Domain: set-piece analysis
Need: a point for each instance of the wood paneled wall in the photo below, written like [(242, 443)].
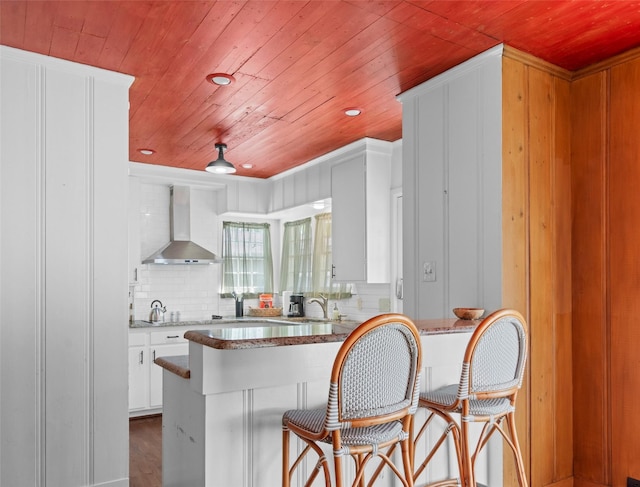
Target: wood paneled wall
[(537, 258), (571, 225), (605, 117)]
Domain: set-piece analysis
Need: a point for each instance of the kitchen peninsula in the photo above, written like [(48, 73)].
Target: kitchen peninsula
[(223, 403)]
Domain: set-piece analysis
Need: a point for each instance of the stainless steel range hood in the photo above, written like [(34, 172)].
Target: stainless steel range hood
[(180, 249)]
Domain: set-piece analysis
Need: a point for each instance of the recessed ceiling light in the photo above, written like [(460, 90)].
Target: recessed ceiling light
[(318, 205), (146, 152), (220, 79), (247, 165), (352, 112)]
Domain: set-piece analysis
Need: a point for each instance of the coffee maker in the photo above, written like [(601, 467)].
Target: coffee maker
[(296, 306)]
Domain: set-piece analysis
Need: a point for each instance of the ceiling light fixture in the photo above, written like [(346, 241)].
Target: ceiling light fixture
[(146, 152), (220, 79), (247, 165), (352, 112), (318, 205), (220, 166)]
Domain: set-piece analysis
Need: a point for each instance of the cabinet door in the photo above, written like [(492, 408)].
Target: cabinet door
[(348, 220), (155, 373), (138, 377)]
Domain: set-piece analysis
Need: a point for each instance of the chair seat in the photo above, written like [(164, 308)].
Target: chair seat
[(312, 420), (446, 396)]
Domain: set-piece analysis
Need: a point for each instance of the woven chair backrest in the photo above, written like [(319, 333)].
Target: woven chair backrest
[(378, 375), (498, 356)]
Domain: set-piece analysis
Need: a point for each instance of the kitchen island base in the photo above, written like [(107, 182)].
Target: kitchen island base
[(222, 425)]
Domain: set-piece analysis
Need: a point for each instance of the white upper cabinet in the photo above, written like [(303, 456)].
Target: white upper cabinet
[(360, 195), (301, 186)]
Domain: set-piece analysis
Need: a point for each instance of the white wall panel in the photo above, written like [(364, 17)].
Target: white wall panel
[(21, 286), (67, 277), (64, 273), (452, 189)]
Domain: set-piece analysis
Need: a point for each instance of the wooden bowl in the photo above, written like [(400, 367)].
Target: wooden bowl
[(468, 313)]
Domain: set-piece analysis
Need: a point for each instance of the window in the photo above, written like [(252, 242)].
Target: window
[(247, 263), (322, 264), (295, 271)]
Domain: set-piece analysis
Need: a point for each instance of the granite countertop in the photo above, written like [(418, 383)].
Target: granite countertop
[(178, 364), (300, 334), (161, 324), (226, 320), (279, 335)]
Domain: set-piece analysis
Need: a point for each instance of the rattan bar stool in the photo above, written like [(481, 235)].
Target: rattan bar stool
[(492, 372), (373, 394)]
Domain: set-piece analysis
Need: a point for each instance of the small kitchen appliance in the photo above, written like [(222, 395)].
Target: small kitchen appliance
[(157, 312), (296, 306)]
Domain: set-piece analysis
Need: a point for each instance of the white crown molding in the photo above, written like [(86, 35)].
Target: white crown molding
[(451, 74), (345, 152)]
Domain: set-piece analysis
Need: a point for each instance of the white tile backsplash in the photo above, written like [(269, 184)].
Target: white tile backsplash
[(190, 289)]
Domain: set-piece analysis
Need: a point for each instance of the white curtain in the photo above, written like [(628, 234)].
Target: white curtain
[(295, 270), (247, 262), (322, 282)]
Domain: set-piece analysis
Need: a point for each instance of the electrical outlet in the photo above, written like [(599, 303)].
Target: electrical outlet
[(633, 482)]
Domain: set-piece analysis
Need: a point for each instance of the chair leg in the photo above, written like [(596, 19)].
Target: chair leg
[(449, 428), (511, 422), (337, 462), (406, 448), (285, 458), (467, 477)]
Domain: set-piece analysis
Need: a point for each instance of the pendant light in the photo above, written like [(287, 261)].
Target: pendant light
[(220, 166)]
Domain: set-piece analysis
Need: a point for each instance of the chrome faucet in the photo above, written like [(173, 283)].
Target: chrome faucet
[(324, 304)]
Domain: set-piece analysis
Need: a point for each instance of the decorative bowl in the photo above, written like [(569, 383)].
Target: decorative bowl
[(468, 313)]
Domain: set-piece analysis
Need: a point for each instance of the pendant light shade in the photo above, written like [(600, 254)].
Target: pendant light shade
[(220, 166)]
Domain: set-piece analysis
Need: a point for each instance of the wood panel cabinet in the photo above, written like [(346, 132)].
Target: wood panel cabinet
[(517, 116)]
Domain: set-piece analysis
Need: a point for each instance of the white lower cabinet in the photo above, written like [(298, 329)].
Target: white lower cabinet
[(155, 374), (138, 377), (145, 377)]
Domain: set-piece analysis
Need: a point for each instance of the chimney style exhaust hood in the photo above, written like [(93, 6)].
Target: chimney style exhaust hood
[(181, 250)]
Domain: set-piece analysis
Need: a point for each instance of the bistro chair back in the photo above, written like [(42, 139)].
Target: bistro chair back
[(373, 395), (492, 374)]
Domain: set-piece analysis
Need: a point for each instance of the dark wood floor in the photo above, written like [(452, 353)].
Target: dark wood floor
[(145, 451)]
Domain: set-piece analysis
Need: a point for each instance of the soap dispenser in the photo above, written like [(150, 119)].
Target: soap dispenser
[(336, 312)]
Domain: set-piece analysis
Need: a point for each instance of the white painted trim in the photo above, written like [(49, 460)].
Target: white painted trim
[(40, 277), (89, 376), (343, 153)]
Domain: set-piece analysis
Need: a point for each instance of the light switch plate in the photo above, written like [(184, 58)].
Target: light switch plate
[(429, 271)]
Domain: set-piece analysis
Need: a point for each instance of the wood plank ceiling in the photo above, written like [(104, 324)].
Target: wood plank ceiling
[(297, 64)]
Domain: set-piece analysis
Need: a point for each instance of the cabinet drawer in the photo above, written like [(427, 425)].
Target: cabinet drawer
[(138, 339), (162, 337)]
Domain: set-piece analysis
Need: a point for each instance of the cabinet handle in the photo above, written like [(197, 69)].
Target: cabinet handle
[(141, 357), (154, 355), (333, 271), (173, 336), (399, 288)]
